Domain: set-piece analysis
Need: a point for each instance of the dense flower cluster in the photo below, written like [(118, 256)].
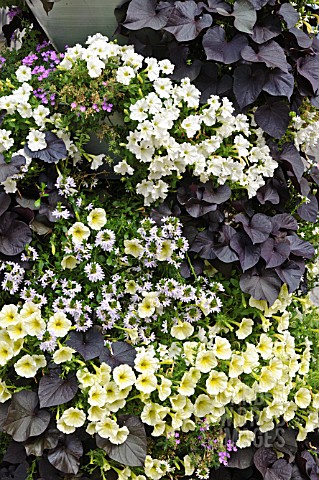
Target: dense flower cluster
[(170, 131)]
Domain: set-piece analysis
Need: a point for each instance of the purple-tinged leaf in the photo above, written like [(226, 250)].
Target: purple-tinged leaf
[(66, 457), (261, 284), (264, 458), (133, 451), (268, 193), (120, 353), (300, 247), (291, 274), (296, 473), (49, 439), (308, 67), (304, 186), (314, 173), (198, 267), (218, 196), (204, 245), (89, 344), (25, 202), (279, 83), (179, 55), (248, 253), (5, 201), (54, 151), (271, 54), (287, 443), (257, 228), (280, 470), (284, 221), (258, 4), (14, 235), (303, 40), (9, 169), (245, 16), (186, 21), (217, 48), (248, 83), (141, 14), (209, 84), (268, 28), (54, 390), (307, 211), (197, 208), (275, 251), (222, 249), (289, 14), (4, 407), (15, 453), (242, 459), (24, 420), (214, 6), (273, 118), (291, 155)]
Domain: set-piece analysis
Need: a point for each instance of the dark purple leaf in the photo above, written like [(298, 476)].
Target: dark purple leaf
[(26, 202), (144, 13), (291, 155), (218, 196), (179, 55), (54, 390), (214, 6), (264, 458), (314, 173), (197, 208), (5, 201), (268, 28), (307, 211), (54, 151), (120, 353), (217, 48), (279, 83), (3, 413), (286, 443), (248, 253), (12, 168), (308, 67), (133, 451), (290, 274), (47, 471), (245, 16), (271, 54), (257, 228), (222, 249), (242, 459), (66, 458), (285, 221), (15, 453), (275, 251), (304, 186), (280, 470), (273, 118), (204, 245), (49, 439), (89, 344), (289, 14), (14, 235), (303, 40), (268, 193), (248, 83), (300, 247), (198, 267), (261, 284), (24, 420), (296, 473), (186, 21)]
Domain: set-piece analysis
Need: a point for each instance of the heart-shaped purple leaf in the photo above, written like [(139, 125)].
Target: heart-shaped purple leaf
[(14, 235), (54, 390), (273, 118), (186, 21), (9, 169), (219, 49), (89, 344), (54, 151), (119, 354)]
